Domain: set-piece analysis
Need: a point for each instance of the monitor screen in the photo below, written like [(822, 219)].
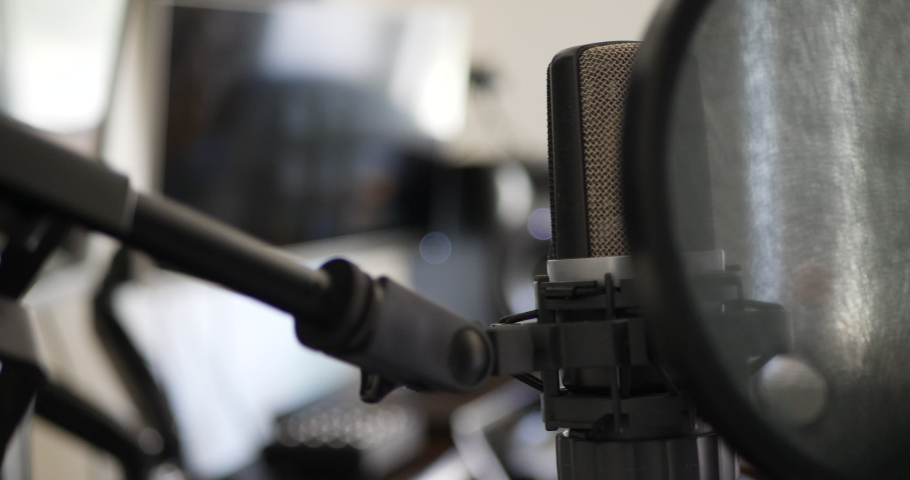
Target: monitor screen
[(306, 121), (294, 121)]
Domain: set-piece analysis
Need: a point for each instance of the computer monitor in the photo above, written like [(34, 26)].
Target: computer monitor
[(306, 120), (312, 126)]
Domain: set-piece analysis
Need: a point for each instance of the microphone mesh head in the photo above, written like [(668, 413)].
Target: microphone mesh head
[(605, 72)]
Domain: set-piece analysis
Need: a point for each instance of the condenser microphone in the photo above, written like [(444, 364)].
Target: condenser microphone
[(587, 90), (646, 427)]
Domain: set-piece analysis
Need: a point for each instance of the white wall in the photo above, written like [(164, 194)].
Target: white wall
[(514, 38), (517, 39)]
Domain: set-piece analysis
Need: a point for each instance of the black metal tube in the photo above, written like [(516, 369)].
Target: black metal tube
[(129, 363), (375, 324), (207, 249)]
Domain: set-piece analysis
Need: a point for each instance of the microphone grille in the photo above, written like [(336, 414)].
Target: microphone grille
[(604, 72)]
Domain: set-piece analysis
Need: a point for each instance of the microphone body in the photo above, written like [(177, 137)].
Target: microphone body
[(646, 426)]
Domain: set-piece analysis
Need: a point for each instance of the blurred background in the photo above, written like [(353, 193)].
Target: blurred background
[(408, 136)]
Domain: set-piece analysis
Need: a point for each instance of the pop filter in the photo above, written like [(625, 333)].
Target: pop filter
[(803, 154)]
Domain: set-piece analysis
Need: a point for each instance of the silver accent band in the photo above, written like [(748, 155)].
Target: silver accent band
[(594, 268)]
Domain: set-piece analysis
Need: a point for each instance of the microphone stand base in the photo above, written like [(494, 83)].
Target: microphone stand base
[(704, 457)]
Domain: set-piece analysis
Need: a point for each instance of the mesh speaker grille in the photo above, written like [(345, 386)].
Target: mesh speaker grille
[(604, 75)]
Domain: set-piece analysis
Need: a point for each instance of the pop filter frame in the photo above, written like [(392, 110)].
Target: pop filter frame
[(674, 321)]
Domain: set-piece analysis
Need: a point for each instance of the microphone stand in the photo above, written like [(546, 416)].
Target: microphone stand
[(623, 415), (394, 335)]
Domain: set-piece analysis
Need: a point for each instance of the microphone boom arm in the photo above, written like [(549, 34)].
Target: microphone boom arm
[(393, 334)]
